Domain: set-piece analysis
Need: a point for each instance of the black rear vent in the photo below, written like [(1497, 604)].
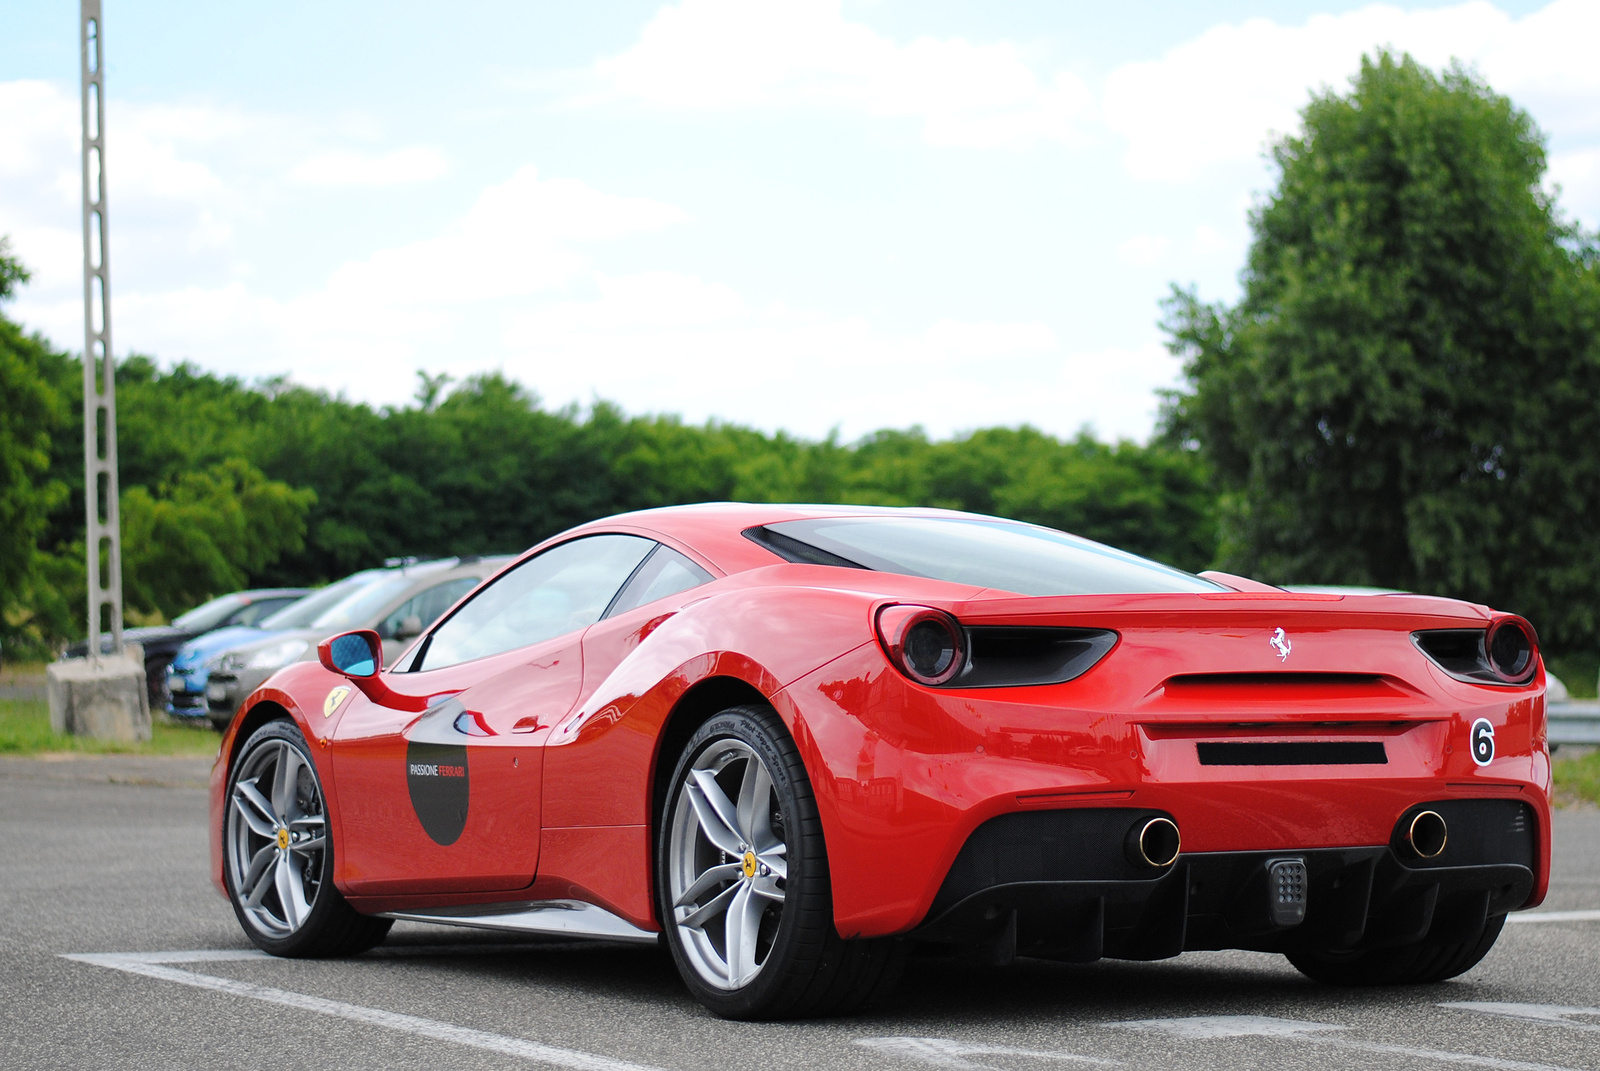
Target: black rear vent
[(1003, 656), (1459, 652), (1292, 753)]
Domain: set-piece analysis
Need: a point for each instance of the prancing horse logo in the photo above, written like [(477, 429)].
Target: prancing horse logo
[(1280, 643)]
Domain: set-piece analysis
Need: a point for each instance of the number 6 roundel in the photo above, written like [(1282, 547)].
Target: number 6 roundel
[(1482, 742)]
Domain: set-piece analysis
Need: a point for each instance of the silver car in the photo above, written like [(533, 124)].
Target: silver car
[(399, 604)]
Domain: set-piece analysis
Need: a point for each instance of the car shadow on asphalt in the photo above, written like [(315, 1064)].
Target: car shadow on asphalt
[(936, 988)]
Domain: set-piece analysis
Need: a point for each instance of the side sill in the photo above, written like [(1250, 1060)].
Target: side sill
[(564, 918)]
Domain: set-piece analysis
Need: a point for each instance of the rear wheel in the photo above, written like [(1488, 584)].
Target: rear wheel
[(1414, 964), (278, 856), (742, 873)]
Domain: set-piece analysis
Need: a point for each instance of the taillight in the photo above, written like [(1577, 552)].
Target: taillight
[(1507, 652), (925, 644), (1512, 648)]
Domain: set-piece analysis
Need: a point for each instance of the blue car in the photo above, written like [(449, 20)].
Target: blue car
[(190, 669)]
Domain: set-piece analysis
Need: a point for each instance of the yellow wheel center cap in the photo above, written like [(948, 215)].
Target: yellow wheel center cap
[(749, 864), (283, 838)]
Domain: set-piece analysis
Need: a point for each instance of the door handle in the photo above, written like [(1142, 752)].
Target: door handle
[(526, 725)]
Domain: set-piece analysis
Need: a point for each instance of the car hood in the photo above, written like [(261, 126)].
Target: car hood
[(268, 639), (147, 637)]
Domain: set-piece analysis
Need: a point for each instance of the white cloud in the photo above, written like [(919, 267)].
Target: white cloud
[(735, 54), (1143, 249), (1220, 97), (1577, 174), (378, 317), (168, 208), (418, 163), (664, 342), (522, 236)]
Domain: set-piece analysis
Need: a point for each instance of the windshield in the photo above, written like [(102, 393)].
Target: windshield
[(985, 553), (302, 613), (360, 608), (208, 615)]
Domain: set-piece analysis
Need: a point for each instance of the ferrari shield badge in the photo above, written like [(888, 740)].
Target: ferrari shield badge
[(335, 697), (1280, 643)]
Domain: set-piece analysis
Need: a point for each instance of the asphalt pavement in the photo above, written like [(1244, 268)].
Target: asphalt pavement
[(115, 952)]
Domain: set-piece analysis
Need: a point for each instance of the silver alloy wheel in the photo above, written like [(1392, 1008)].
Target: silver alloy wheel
[(727, 864), (276, 837)]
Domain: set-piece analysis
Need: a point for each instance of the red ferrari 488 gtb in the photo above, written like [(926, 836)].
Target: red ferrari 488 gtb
[(795, 740)]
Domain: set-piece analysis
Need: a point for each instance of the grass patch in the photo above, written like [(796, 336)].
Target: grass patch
[(1577, 672), (1577, 775), (25, 730)]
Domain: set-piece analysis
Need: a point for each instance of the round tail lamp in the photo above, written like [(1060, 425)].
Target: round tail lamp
[(925, 644), (1512, 649)]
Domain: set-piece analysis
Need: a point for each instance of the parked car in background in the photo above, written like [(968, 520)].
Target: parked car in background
[(398, 606), (161, 642), (189, 670)]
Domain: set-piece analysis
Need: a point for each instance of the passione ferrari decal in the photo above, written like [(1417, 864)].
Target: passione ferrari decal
[(437, 777)]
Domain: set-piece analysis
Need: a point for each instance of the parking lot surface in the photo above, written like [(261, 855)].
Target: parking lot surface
[(117, 953)]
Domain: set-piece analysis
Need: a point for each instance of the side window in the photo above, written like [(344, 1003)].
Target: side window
[(564, 589), (665, 572), (424, 608)]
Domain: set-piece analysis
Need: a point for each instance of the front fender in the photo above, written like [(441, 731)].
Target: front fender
[(300, 691)]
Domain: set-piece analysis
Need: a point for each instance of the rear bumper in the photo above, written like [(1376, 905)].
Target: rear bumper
[(1060, 884), (905, 775)]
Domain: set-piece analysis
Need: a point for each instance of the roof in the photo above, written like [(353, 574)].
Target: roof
[(714, 529)]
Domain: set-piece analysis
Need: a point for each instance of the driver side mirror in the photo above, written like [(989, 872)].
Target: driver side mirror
[(352, 654)]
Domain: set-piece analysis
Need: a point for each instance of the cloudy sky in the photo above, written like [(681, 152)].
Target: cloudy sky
[(803, 215)]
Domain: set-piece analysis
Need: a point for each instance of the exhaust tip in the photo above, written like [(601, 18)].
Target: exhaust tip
[(1154, 843), (1427, 834)]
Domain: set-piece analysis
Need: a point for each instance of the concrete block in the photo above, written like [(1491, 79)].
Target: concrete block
[(104, 698)]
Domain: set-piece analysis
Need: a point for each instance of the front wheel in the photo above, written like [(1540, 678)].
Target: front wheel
[(742, 875), (1414, 964), (278, 856)]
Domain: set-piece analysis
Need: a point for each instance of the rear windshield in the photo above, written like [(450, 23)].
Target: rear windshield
[(364, 606), (209, 615), (300, 614), (1003, 555)]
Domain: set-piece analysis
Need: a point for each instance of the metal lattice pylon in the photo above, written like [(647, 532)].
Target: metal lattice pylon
[(103, 538)]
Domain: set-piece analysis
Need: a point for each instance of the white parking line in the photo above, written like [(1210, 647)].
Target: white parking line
[(154, 965), (1239, 1026), (943, 1052), (1550, 1014), (1554, 916)]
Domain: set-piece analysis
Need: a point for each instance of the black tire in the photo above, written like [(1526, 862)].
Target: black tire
[(328, 926), (808, 970), (1421, 963)]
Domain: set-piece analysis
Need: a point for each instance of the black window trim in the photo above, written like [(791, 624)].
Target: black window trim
[(636, 577), (616, 596), (797, 551)]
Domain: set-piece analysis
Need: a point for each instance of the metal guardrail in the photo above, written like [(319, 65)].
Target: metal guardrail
[(1577, 721)]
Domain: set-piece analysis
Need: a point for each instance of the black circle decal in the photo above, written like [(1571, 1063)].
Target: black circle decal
[(1482, 742), (437, 776)]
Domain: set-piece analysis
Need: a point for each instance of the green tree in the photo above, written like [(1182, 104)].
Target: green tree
[(206, 533), (1406, 393), (31, 410)]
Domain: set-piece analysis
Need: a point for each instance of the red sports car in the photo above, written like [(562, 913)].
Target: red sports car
[(796, 739)]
